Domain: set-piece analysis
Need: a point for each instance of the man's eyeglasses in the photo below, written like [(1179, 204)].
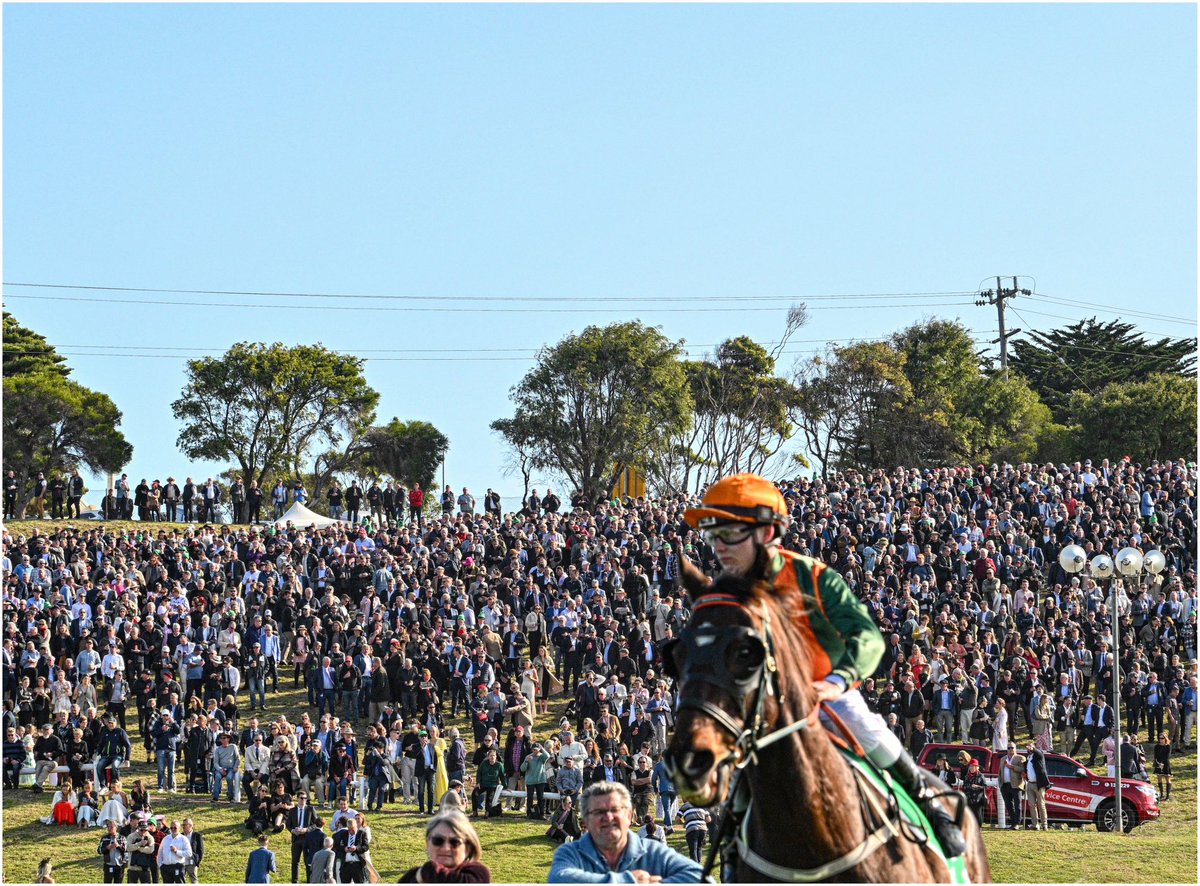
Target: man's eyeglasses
[(439, 841), (600, 813), (729, 533)]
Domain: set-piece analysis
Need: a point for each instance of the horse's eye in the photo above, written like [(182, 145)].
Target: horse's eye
[(748, 656)]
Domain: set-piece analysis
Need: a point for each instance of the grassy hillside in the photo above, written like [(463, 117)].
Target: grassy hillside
[(514, 848)]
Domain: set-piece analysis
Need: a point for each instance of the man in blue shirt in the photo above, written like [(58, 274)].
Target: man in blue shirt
[(610, 853)]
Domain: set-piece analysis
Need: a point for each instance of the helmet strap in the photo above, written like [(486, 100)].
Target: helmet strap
[(761, 558)]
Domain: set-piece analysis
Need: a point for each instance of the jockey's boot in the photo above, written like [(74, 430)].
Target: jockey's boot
[(926, 788)]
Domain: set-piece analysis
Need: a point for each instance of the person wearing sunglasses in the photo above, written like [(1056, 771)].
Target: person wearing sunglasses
[(744, 518), (454, 852)]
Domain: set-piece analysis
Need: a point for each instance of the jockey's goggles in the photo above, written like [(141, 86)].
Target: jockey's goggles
[(729, 533)]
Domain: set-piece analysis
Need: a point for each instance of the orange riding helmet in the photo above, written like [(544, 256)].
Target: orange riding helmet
[(742, 498)]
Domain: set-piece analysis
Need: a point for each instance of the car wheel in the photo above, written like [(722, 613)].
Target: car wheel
[(1106, 816)]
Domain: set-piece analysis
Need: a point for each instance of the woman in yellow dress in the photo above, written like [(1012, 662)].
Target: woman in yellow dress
[(441, 781)]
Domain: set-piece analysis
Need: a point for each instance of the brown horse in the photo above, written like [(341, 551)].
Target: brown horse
[(743, 665)]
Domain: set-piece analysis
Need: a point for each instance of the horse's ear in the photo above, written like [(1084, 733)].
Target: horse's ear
[(694, 581)]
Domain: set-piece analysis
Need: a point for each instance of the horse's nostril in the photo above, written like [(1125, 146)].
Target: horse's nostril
[(696, 763)]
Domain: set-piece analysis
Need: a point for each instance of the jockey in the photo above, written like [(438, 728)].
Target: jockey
[(743, 517)]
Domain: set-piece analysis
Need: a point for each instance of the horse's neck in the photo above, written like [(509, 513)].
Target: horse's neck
[(801, 786)]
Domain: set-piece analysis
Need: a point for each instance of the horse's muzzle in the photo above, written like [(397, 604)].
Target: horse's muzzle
[(693, 774)]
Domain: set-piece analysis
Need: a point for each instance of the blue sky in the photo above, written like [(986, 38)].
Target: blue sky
[(579, 154)]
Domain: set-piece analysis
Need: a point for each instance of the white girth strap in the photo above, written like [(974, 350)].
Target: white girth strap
[(809, 875)]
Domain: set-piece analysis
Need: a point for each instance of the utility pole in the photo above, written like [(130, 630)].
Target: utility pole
[(997, 297)]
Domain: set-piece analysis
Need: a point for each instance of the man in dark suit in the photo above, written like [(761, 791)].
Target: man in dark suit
[(350, 845), (427, 764), (321, 864), (250, 733), (314, 843), (299, 823), (573, 650), (912, 706), (1036, 782), (513, 644), (191, 869)]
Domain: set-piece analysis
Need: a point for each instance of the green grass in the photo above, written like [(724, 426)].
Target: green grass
[(514, 847), (1162, 851), (516, 850)]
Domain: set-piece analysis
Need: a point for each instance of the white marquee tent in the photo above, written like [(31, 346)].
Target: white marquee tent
[(302, 516)]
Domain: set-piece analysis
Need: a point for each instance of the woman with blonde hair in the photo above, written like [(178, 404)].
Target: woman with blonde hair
[(116, 808), (441, 781), (85, 693), (455, 855), (530, 684), (588, 730), (62, 808), (1043, 723), (548, 684)]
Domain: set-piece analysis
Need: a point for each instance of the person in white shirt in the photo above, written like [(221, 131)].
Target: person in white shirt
[(343, 815), (572, 748), (112, 663), (173, 854)]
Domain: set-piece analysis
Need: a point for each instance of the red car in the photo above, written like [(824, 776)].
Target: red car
[(1076, 795)]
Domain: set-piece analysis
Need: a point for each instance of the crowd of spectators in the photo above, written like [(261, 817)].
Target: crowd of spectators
[(429, 642)]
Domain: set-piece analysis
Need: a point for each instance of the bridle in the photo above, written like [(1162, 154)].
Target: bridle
[(705, 662), (706, 647)]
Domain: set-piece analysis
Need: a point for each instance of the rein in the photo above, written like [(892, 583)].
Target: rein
[(749, 741)]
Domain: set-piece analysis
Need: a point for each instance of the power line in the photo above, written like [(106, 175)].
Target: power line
[(490, 298), (1090, 304), (1063, 361), (1119, 311), (443, 359), (594, 310), (1064, 317), (217, 348)]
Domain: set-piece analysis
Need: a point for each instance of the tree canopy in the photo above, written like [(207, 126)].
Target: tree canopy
[(1088, 355), (53, 424), (407, 451), (598, 402), (924, 396), (27, 352), (848, 401), (1154, 418), (741, 418), (268, 406)]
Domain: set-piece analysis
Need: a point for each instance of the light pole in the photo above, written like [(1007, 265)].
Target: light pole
[(1072, 559), (1102, 567), (1131, 562)]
